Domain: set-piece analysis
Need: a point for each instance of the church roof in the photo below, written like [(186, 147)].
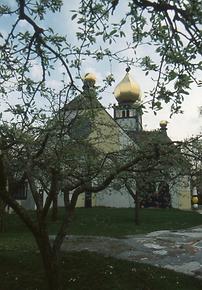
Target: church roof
[(160, 142), (84, 102), (156, 136)]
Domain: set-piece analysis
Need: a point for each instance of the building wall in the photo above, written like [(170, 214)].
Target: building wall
[(114, 198), (128, 123), (106, 135), (29, 202), (120, 198), (80, 201), (181, 193)]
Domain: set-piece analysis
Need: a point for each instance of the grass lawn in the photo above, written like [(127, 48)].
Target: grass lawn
[(21, 268), (120, 222), (85, 271)]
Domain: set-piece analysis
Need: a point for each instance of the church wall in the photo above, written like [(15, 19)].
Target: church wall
[(128, 123), (110, 197), (114, 198), (80, 201), (124, 142), (60, 200), (29, 202), (181, 194), (105, 135)]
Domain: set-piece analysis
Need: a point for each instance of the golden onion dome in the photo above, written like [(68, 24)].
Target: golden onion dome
[(90, 78), (163, 123), (194, 199), (127, 91)]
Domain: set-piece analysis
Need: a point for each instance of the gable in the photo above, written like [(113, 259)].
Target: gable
[(93, 123)]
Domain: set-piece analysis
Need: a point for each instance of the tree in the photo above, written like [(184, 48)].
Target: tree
[(192, 150), (155, 176), (55, 163), (2, 203), (34, 130), (169, 30)]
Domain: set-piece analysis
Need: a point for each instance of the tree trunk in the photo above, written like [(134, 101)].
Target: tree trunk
[(54, 214), (2, 214), (136, 202), (137, 206), (51, 267), (2, 188), (50, 261), (66, 198), (50, 251), (1, 221)]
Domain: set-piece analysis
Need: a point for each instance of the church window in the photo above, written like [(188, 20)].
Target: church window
[(123, 114), (18, 189), (127, 113)]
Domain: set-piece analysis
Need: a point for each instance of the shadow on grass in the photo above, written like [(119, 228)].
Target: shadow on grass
[(88, 271)]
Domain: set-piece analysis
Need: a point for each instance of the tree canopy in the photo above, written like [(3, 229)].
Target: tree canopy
[(162, 37)]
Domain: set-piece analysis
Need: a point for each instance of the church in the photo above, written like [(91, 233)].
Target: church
[(87, 119), (115, 133)]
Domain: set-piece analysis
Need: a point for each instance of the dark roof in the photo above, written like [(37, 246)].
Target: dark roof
[(159, 141), (83, 102), (156, 136)]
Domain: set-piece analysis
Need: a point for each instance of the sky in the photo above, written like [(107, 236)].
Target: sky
[(180, 126)]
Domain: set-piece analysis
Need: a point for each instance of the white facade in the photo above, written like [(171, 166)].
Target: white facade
[(181, 193)]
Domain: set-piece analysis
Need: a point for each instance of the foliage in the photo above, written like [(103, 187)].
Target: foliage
[(169, 30), (192, 150)]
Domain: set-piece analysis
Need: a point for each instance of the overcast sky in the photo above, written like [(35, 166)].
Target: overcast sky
[(179, 127)]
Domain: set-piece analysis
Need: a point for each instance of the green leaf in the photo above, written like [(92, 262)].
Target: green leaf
[(74, 16)]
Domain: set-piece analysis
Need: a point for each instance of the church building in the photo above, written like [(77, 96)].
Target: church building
[(91, 121), (125, 127)]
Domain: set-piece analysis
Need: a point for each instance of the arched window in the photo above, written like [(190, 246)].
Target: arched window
[(123, 114), (127, 113)]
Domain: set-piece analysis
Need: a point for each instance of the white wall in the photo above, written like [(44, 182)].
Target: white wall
[(114, 198)]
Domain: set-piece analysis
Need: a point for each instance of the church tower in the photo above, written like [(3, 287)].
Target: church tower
[(128, 113)]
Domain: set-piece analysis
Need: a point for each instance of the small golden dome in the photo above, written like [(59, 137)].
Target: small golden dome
[(194, 199), (127, 91), (90, 77), (163, 123)]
